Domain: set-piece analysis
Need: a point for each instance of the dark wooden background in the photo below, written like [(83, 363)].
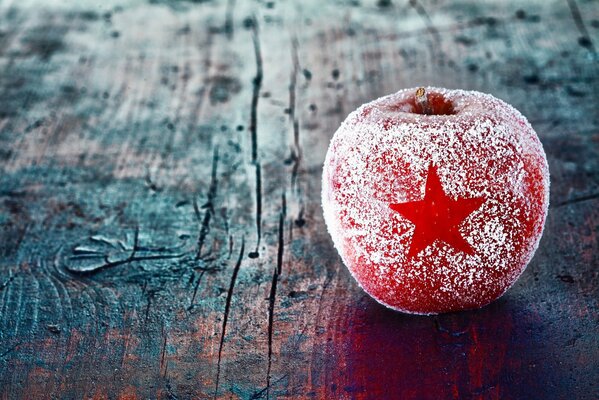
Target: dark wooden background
[(161, 230)]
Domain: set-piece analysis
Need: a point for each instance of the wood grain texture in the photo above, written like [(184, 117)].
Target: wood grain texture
[(161, 230)]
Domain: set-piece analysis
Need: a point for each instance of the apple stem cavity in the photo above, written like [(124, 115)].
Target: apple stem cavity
[(422, 101)]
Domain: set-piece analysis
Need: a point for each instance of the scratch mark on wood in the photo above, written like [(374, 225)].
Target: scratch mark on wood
[(575, 200), (325, 285), (226, 314), (300, 221), (150, 183), (169, 390), (196, 211), (148, 305), (440, 328), (202, 92), (94, 268), (586, 38), (430, 26), (262, 392), (10, 350), (148, 296), (203, 270), (111, 242), (163, 352), (225, 218), (135, 241), (195, 290), (424, 14), (209, 205), (8, 280)]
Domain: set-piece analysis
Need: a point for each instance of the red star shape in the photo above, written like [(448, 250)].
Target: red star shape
[(437, 216)]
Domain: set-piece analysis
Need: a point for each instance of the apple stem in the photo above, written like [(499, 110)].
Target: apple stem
[(422, 100)]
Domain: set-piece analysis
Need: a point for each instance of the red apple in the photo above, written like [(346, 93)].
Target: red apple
[(436, 201)]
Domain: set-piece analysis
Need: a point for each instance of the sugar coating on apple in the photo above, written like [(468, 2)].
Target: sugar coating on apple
[(435, 199)]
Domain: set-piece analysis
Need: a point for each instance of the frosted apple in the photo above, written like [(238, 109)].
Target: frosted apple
[(434, 198)]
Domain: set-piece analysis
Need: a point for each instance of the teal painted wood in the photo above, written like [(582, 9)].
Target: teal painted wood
[(162, 235)]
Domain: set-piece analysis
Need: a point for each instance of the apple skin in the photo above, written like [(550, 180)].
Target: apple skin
[(481, 147)]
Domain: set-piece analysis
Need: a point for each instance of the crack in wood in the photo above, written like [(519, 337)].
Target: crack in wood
[(257, 85), (230, 240), (209, 205), (296, 153), (271, 307), (226, 313), (255, 253), (273, 288), (281, 244)]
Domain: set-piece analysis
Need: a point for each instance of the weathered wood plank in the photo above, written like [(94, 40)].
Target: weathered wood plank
[(162, 234)]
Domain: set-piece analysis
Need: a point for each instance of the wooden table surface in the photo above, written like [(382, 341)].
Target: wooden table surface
[(161, 229)]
